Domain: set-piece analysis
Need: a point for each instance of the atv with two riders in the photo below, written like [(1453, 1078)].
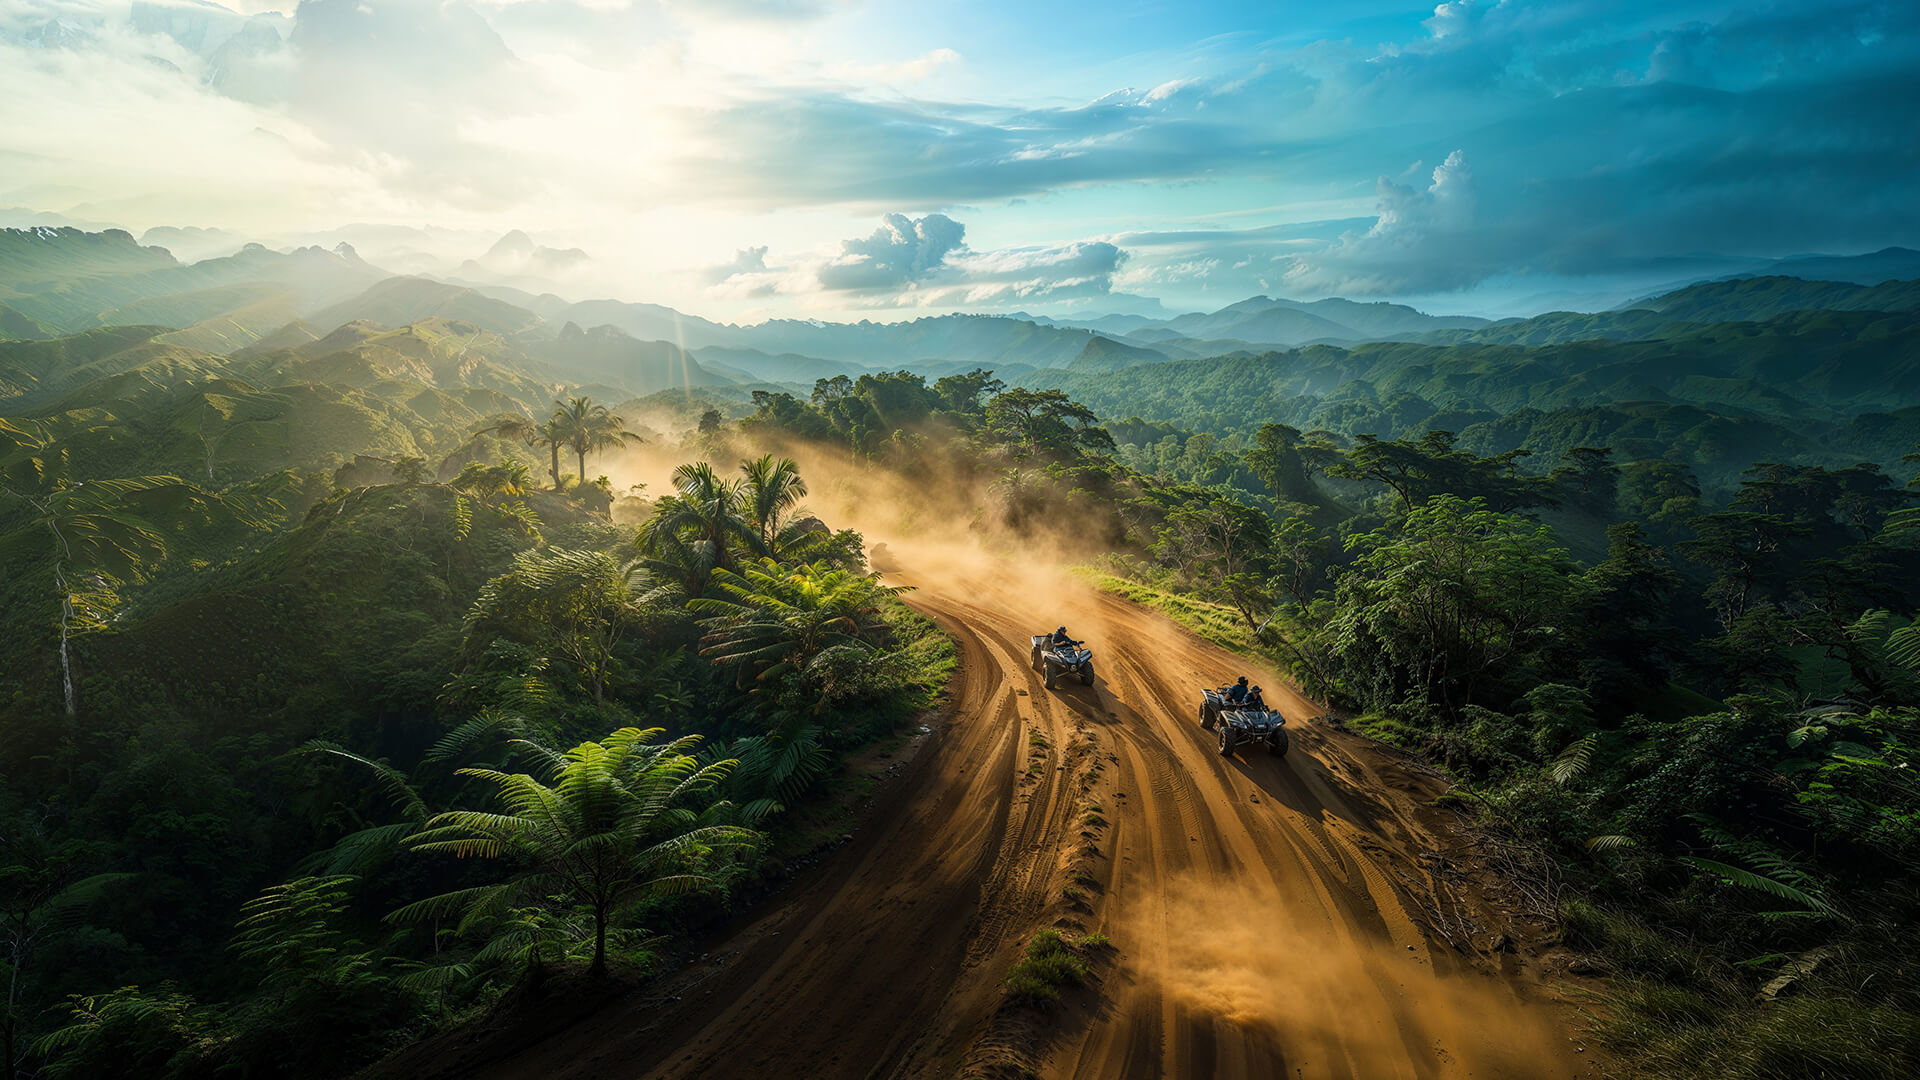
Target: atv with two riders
[(1057, 654), (1242, 716)]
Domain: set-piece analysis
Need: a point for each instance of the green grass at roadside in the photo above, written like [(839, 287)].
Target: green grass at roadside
[(1215, 622)]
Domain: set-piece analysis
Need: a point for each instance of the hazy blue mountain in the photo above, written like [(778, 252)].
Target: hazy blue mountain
[(610, 356), (1106, 354), (193, 242), (1680, 312), (401, 300), (40, 259), (756, 366), (71, 280), (1765, 297), (1262, 319), (1887, 264), (1380, 319)]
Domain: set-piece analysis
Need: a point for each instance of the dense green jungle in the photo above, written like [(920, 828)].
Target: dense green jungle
[(352, 687)]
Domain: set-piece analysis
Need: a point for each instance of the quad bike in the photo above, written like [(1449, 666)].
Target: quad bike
[(1057, 660), (1239, 724)]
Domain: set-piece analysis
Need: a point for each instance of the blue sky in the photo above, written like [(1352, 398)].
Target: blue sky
[(745, 158)]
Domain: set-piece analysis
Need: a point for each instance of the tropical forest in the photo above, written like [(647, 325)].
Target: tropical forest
[(1387, 549)]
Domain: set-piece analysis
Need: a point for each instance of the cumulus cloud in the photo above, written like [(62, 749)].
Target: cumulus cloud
[(1601, 135), (924, 262), (1421, 241), (902, 250), (751, 260), (1080, 270)]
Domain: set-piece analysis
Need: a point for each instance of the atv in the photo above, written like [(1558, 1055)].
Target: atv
[(1057, 660), (1239, 724)]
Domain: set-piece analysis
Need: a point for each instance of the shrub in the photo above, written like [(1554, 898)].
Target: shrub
[(1050, 963)]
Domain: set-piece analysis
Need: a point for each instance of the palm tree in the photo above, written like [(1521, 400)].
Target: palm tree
[(780, 621), (676, 556), (609, 825), (588, 428), (508, 479), (771, 497), (699, 527), (547, 434)]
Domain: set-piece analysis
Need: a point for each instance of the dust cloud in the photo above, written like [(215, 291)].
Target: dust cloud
[(945, 513), (1330, 998)]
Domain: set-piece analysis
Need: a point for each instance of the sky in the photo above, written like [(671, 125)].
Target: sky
[(743, 159)]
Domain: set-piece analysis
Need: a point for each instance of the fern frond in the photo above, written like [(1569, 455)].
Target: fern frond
[(1760, 882), (1572, 761)]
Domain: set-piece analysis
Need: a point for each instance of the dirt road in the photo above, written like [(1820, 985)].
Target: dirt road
[(1268, 917)]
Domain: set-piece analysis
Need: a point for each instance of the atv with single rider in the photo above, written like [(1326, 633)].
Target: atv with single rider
[(1242, 723), (1059, 658)]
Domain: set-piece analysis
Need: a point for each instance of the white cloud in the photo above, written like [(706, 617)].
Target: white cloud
[(1423, 240), (899, 252)]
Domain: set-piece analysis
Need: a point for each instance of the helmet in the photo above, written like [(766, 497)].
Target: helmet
[(1060, 630), (1243, 680)]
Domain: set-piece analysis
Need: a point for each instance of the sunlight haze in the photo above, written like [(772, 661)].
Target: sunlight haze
[(1096, 157)]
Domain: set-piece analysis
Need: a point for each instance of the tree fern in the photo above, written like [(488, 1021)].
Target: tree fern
[(1572, 761), (608, 823)]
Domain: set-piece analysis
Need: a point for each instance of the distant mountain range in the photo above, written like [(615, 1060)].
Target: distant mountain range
[(1750, 299), (56, 281)]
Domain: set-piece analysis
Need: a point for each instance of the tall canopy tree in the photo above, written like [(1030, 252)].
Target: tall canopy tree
[(1450, 598), (95, 535), (1045, 421), (1418, 469)]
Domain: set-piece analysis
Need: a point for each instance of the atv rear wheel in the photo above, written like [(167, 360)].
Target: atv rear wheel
[(1277, 742), (1036, 658), (1206, 716)]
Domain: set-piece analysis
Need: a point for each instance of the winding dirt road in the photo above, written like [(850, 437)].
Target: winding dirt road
[(1268, 917)]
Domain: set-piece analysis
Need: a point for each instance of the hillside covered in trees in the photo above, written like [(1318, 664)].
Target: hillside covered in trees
[(348, 695)]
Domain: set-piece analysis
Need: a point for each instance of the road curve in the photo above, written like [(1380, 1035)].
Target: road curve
[(1268, 917)]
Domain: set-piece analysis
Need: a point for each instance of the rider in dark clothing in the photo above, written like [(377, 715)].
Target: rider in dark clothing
[(1060, 638), (1254, 700), (1237, 693)]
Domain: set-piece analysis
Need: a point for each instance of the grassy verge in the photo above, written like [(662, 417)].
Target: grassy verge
[(1215, 622), (930, 657), (1676, 1011)]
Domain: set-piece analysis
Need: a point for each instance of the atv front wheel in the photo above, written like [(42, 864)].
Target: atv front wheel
[(1277, 743), (1226, 740), (1086, 674), (1051, 670)]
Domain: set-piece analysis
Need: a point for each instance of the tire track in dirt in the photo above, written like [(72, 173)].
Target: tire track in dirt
[(1260, 910)]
